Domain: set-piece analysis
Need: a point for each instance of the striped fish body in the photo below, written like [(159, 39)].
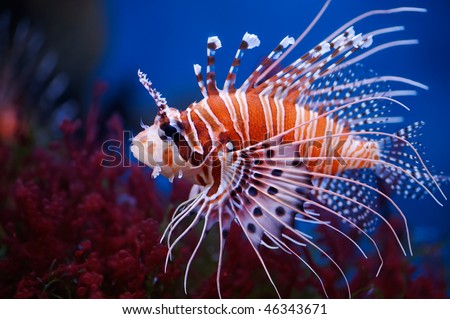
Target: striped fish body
[(245, 119), (304, 145)]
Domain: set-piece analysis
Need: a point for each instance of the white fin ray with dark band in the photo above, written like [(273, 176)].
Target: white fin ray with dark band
[(213, 44), (249, 41)]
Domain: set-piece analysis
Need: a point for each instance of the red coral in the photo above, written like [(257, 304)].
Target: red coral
[(73, 228)]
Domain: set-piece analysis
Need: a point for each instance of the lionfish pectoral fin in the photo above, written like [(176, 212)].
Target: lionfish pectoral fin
[(271, 199), (199, 209), (263, 205), (193, 211), (195, 190)]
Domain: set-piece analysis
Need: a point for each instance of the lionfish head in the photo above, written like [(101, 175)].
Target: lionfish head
[(155, 145)]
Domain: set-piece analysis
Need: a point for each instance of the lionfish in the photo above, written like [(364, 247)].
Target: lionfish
[(291, 145)]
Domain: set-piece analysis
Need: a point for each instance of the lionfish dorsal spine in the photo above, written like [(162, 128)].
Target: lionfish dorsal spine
[(249, 41), (266, 63), (212, 45), (200, 82)]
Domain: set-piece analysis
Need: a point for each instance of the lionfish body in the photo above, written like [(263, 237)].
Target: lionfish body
[(301, 145)]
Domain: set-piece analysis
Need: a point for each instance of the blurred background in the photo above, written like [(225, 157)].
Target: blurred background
[(95, 41)]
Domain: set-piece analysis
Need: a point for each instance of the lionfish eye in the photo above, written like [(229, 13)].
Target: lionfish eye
[(169, 132)]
